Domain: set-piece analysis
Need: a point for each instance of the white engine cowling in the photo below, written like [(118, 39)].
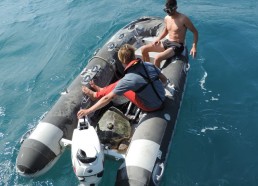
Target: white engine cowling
[(87, 155)]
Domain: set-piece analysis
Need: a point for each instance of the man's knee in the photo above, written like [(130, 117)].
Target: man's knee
[(146, 48)]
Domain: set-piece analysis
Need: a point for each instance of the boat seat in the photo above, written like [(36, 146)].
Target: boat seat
[(148, 40)]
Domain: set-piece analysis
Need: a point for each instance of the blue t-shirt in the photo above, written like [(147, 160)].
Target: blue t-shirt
[(133, 81)]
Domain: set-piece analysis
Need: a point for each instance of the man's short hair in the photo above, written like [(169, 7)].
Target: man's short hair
[(171, 3), (126, 53)]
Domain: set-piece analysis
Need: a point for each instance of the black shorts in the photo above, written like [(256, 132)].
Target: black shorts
[(177, 47)]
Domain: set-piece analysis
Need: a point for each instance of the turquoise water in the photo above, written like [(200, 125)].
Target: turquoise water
[(45, 44)]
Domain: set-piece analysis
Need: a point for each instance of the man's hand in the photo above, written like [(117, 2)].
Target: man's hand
[(82, 112), (156, 42), (193, 51)]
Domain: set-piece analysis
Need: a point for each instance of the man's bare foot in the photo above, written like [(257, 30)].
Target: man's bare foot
[(94, 86), (89, 93)]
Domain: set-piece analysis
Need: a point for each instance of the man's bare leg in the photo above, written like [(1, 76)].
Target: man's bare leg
[(145, 52), (150, 48), (163, 56)]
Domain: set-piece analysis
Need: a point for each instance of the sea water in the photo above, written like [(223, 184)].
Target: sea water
[(45, 44)]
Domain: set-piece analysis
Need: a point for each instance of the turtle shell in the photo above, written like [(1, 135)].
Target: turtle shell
[(113, 128)]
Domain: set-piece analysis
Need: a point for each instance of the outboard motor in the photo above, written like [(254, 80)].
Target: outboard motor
[(87, 155)]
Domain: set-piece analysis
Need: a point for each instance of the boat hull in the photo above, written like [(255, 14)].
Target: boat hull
[(146, 156)]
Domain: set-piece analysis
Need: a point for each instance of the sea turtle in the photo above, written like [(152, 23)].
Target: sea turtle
[(114, 129)]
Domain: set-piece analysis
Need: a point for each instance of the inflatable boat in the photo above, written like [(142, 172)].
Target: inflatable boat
[(140, 139)]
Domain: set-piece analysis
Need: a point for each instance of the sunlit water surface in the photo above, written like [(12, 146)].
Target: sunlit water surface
[(45, 44)]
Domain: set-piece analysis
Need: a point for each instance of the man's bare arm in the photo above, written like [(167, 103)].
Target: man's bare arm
[(100, 104), (192, 28)]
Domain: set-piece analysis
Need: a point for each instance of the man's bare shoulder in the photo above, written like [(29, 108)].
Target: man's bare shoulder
[(166, 17), (182, 16)]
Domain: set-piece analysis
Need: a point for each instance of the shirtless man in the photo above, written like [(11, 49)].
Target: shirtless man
[(176, 25)]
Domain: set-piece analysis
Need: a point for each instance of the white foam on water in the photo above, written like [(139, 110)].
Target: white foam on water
[(2, 111), (202, 81), (209, 128), (213, 129), (214, 99)]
